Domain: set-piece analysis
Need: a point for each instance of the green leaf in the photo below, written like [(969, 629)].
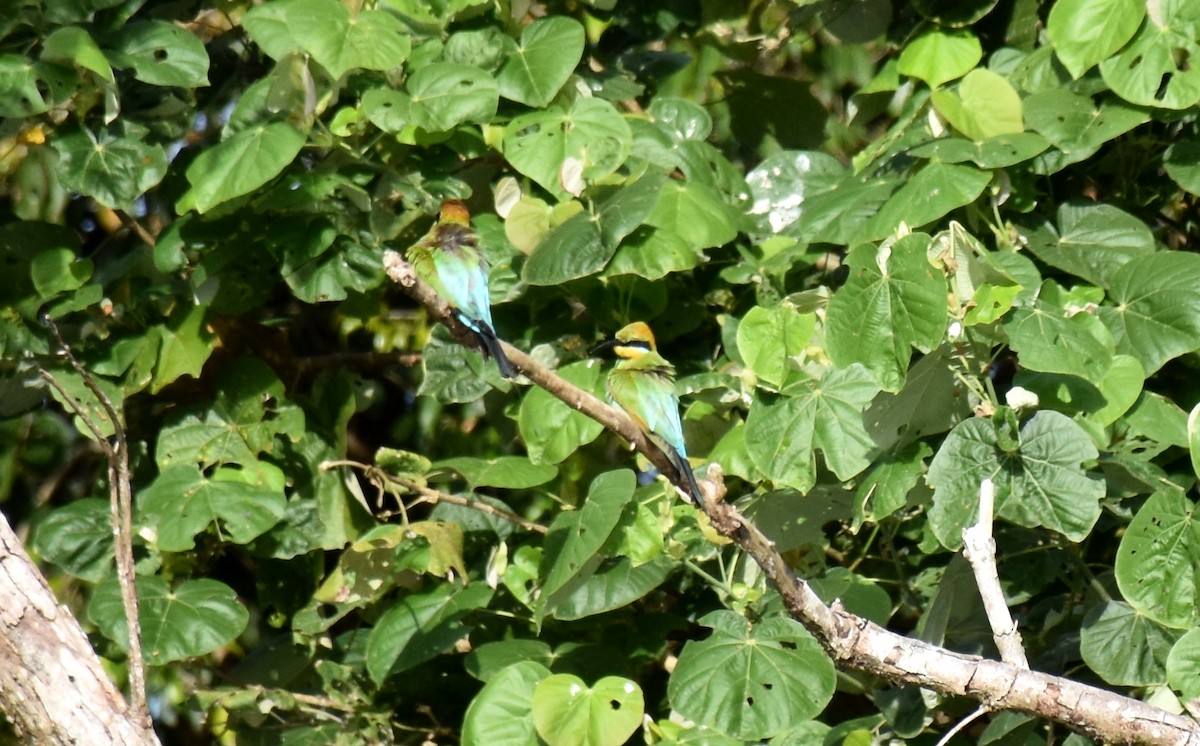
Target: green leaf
[(584, 244), (985, 106), (1087, 32), (1159, 419), (1183, 665), (182, 502), (545, 57), (193, 619), (250, 412), (492, 658), (185, 347), (608, 585), (551, 429), (894, 301), (114, 170), (1182, 161), (1000, 151), (1157, 312), (694, 212), (782, 434), (1076, 125), (502, 713), (1053, 339), (544, 144), (751, 681), (783, 183), (453, 373), (75, 46), (652, 254), (78, 538), (1153, 68), (268, 25), (161, 53), (321, 266), (1037, 473), (886, 488), (421, 626), (240, 165), (567, 711), (1092, 241), (768, 338), (28, 88), (576, 536), (939, 56), (858, 594), (931, 402), (1123, 647), (934, 191), (437, 98), (341, 42), (59, 270), (506, 472), (1159, 558)]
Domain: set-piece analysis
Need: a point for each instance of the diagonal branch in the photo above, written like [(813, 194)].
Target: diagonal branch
[(854, 642)]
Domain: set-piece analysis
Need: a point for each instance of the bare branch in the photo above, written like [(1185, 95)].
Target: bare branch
[(980, 550)]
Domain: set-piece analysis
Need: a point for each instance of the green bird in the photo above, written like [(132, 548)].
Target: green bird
[(643, 384), (448, 259)]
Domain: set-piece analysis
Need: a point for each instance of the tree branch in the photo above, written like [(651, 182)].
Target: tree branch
[(850, 640), (121, 505)]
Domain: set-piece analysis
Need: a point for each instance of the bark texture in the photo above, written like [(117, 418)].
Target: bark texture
[(53, 689)]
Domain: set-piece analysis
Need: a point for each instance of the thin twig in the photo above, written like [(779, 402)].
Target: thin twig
[(435, 496), (121, 506), (945, 739)]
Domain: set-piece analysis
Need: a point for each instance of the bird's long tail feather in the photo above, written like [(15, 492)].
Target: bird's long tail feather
[(685, 469), (493, 348)]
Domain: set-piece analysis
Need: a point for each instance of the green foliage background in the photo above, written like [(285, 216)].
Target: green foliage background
[(893, 249)]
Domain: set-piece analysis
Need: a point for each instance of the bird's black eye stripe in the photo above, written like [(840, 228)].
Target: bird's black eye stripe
[(637, 344)]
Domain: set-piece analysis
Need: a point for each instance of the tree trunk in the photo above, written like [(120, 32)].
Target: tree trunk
[(53, 689)]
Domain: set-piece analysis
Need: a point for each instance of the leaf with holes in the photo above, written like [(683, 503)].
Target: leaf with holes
[(1153, 69), (162, 53), (1158, 561), (751, 681), (436, 98), (567, 711), (592, 131)]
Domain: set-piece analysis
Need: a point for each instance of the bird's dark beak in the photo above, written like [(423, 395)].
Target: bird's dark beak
[(603, 347)]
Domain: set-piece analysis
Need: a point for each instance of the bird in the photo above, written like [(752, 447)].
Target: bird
[(448, 259), (642, 383)]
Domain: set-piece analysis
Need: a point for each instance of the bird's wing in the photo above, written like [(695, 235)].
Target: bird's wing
[(464, 276), (649, 397)]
